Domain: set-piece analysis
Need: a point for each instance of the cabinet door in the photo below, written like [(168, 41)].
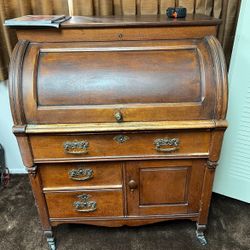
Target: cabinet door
[(164, 186)]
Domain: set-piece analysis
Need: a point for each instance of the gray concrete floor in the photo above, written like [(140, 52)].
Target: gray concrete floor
[(228, 227)]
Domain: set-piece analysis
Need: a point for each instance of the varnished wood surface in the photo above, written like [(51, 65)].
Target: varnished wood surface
[(105, 174), (164, 187), (52, 146), (127, 126), (111, 83), (131, 221), (55, 94), (108, 203), (132, 21), (116, 34), (166, 77)]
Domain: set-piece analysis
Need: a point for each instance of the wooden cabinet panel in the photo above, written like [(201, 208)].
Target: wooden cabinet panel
[(111, 83), (63, 204), (95, 80), (84, 175), (108, 145), (161, 185), (164, 187), (140, 95)]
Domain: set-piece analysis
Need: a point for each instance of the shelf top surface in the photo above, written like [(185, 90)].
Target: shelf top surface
[(130, 21), (126, 21)]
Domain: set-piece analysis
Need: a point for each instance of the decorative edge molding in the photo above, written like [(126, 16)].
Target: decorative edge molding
[(220, 70), (211, 164), (127, 126), (15, 82), (19, 129), (32, 170), (24, 144)]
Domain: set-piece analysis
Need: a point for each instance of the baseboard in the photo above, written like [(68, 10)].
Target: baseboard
[(18, 171)]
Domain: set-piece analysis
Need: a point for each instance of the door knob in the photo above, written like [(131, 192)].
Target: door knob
[(132, 185)]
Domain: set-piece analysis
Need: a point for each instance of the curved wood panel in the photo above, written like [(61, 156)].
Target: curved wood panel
[(221, 77), (15, 82), (145, 81)]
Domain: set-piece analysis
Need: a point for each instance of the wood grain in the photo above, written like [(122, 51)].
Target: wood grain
[(164, 187), (109, 203), (105, 174), (166, 78), (138, 144)]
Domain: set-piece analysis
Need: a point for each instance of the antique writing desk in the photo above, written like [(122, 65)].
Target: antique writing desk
[(120, 121)]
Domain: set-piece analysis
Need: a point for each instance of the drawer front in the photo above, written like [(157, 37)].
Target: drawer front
[(164, 187), (86, 175), (85, 204), (54, 147)]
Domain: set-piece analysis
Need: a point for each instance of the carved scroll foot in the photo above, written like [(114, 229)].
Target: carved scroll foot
[(200, 234), (50, 239)]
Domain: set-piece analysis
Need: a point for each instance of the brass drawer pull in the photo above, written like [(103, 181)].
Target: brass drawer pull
[(81, 174), (76, 147), (84, 205), (160, 143)]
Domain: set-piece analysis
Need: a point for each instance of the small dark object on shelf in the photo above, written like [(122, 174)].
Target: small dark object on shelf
[(4, 172), (176, 12)]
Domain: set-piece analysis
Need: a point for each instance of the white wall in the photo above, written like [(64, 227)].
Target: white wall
[(233, 173), (7, 139)]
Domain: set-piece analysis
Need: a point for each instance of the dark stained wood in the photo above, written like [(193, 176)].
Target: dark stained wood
[(206, 192), (36, 185), (110, 83), (105, 174), (164, 187), (120, 83), (106, 88), (137, 144), (24, 145), (117, 34), (128, 126), (15, 82), (124, 221), (108, 203), (133, 21)]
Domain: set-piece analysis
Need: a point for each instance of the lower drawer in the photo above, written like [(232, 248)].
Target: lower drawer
[(91, 175), (85, 204)]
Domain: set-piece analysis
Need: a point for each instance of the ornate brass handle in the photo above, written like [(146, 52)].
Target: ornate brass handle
[(76, 147), (173, 143), (84, 205), (81, 174)]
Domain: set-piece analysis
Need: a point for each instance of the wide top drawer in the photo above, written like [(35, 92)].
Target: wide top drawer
[(113, 146), (121, 81)]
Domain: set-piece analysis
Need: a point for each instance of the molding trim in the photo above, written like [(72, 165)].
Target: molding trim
[(32, 170), (211, 164), (220, 72), (15, 81), (126, 126)]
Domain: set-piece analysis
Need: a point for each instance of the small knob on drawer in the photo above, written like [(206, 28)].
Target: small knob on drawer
[(132, 185)]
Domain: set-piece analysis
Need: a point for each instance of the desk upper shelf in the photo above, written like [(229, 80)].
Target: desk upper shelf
[(118, 21)]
